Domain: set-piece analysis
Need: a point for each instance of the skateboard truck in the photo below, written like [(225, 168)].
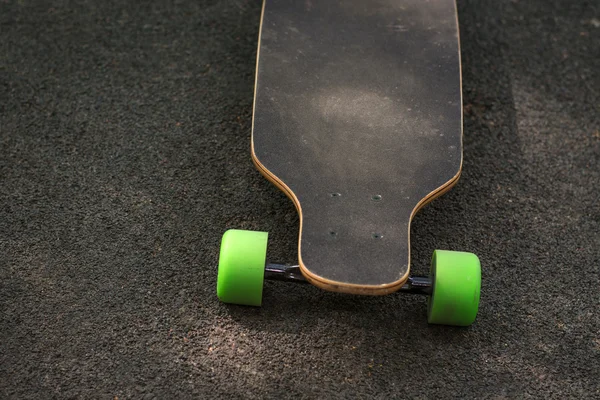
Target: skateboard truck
[(291, 273), (284, 273), (453, 285)]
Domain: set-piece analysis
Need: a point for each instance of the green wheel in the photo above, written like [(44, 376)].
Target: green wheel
[(242, 267), (456, 278)]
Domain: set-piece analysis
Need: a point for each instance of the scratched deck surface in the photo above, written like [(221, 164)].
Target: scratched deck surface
[(358, 112)]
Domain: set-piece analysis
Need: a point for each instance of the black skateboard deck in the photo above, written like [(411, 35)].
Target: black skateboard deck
[(358, 119)]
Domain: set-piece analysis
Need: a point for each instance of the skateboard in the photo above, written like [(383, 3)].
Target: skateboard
[(358, 120)]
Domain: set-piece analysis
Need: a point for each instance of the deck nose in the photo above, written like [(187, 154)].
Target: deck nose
[(355, 240)]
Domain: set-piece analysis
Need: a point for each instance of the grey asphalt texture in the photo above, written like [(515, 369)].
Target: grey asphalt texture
[(124, 156)]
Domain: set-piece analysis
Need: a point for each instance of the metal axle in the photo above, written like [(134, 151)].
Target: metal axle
[(291, 273), (285, 273)]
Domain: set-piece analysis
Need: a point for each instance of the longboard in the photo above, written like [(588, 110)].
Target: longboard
[(358, 119)]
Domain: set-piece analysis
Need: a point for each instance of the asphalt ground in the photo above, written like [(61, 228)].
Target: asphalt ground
[(124, 156)]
